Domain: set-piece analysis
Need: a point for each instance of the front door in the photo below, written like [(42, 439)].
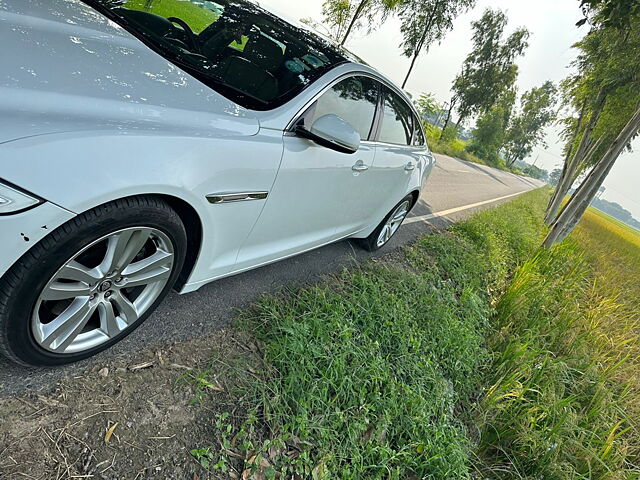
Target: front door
[(319, 195)]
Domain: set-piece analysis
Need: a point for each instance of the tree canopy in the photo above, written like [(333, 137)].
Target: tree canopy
[(604, 100), (424, 22), (526, 129), (489, 70), (343, 17)]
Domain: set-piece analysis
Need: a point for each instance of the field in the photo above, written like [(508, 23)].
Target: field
[(613, 251), (562, 397)]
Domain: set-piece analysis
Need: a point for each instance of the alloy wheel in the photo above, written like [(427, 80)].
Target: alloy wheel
[(393, 223), (102, 290)]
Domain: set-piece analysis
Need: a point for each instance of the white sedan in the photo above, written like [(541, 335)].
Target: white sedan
[(151, 144)]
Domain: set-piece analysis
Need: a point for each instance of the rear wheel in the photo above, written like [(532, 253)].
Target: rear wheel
[(91, 282), (389, 226)]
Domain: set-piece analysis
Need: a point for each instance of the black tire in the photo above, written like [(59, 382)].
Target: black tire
[(371, 242), (20, 287)]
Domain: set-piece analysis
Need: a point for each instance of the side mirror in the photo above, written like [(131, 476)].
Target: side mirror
[(333, 132)]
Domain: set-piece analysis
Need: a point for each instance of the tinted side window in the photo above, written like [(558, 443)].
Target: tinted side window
[(418, 136), (397, 120), (353, 100)]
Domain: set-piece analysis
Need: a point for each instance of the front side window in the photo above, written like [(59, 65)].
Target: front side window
[(353, 100), (397, 120), (244, 52)]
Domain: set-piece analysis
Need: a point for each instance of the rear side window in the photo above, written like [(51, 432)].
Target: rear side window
[(418, 136), (235, 47), (397, 120), (353, 100)]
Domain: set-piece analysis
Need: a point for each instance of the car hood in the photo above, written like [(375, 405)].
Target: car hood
[(66, 67)]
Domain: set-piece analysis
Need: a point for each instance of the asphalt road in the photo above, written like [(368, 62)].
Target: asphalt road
[(455, 190)]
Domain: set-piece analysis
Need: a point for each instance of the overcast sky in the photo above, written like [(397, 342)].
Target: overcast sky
[(553, 31)]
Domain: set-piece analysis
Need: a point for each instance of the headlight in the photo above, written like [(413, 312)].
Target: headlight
[(13, 200)]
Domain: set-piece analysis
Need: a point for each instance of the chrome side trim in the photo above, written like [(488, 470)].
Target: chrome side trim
[(236, 197)]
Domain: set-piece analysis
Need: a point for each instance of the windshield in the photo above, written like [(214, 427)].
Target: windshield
[(244, 52)]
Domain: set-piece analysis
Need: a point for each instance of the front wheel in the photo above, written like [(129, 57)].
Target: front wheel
[(91, 282), (389, 226)]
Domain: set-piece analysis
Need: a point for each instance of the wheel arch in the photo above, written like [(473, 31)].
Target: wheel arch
[(416, 195), (193, 227)]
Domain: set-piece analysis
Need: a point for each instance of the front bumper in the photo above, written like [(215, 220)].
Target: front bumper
[(20, 232)]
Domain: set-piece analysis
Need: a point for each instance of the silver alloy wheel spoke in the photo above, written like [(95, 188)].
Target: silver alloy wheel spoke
[(152, 269), (81, 307), (393, 223), (122, 249), (78, 272), (65, 291), (58, 334), (125, 307), (108, 321)]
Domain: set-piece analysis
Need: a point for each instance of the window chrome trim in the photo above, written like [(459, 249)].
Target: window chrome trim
[(356, 73), (217, 198)]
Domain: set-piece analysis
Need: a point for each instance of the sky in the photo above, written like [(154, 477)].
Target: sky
[(553, 31)]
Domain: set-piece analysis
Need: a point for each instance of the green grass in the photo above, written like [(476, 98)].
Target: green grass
[(612, 250), (377, 368), (563, 388), (454, 147), (471, 354)]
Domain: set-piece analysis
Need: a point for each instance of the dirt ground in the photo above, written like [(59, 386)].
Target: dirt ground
[(122, 419)]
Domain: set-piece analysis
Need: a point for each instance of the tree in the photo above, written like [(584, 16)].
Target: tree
[(570, 215), (489, 70), (536, 172), (489, 134), (424, 22), (554, 176), (527, 128), (342, 17), (427, 105), (610, 13), (606, 92)]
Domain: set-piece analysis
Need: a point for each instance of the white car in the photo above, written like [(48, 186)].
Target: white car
[(151, 144)]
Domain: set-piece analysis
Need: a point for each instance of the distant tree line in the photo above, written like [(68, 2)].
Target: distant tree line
[(616, 211)]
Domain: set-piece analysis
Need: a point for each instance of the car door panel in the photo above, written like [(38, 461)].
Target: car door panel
[(307, 206), (395, 159), (391, 175), (320, 194)]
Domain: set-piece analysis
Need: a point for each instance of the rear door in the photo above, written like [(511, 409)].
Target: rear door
[(395, 158), (320, 194)]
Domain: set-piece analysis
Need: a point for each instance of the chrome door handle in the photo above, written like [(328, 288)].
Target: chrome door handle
[(409, 166), (359, 166)]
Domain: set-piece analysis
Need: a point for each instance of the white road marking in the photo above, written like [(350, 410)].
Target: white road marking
[(444, 213)]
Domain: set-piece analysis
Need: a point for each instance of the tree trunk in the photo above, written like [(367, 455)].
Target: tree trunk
[(420, 45), (458, 124), (446, 123), (582, 197), (355, 18), (570, 173)]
